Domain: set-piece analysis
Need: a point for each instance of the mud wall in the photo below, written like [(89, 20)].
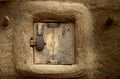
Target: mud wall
[(106, 14)]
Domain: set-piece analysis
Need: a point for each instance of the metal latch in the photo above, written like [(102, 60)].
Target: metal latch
[(39, 42)]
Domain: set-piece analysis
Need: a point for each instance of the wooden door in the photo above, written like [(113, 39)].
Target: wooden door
[(59, 40)]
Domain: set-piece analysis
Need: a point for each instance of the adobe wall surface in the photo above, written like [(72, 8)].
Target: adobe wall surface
[(106, 37)]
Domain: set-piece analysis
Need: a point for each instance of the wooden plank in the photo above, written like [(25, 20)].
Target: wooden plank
[(64, 43), (42, 57)]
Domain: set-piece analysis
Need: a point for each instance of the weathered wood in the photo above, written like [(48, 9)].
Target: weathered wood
[(59, 46), (64, 43), (41, 57)]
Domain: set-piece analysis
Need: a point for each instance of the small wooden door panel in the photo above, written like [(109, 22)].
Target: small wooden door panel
[(59, 40)]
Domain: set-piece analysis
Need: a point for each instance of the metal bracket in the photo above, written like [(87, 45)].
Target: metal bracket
[(52, 62), (52, 25), (32, 42)]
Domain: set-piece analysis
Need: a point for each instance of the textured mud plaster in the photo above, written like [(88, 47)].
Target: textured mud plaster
[(84, 53), (6, 52)]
